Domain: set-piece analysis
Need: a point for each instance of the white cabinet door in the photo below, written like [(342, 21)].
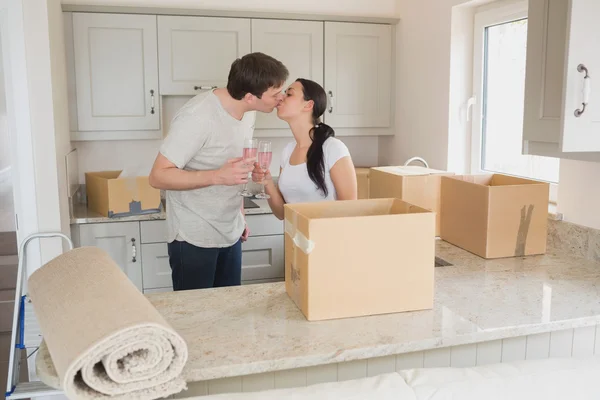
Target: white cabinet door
[(550, 127), (298, 45), (197, 52), (581, 123), (262, 258), (155, 268), (121, 240), (358, 74), (116, 70)]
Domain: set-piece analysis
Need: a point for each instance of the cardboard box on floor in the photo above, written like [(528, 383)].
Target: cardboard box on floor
[(495, 215), (356, 258), (362, 180), (112, 196), (415, 185)]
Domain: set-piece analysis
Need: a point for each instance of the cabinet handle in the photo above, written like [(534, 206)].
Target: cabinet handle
[(133, 250), (330, 93), (152, 101), (587, 89), (204, 87)]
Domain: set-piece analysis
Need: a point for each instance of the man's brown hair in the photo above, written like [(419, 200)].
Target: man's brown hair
[(255, 73)]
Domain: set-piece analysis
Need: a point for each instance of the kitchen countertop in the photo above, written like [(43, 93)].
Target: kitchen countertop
[(256, 328), (82, 215)]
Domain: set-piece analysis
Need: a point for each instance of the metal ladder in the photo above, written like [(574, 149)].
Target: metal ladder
[(25, 331)]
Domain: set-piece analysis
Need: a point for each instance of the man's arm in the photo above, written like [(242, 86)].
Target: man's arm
[(165, 175)]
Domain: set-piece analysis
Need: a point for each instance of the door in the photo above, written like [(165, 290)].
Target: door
[(156, 269), (116, 69), (121, 240), (262, 258), (196, 53), (580, 107), (358, 71), (298, 45)]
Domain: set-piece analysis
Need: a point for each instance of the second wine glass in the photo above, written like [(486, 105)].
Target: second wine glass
[(264, 162), (250, 146)]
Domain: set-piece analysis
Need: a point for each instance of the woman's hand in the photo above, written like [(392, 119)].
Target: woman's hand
[(259, 176)]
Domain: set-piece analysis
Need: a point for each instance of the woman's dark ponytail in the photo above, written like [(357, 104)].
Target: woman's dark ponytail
[(315, 158)]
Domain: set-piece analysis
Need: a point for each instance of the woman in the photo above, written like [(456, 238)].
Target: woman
[(316, 166)]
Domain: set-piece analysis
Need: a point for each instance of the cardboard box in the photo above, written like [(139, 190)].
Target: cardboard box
[(112, 196), (362, 180), (361, 257), (495, 215), (415, 185)]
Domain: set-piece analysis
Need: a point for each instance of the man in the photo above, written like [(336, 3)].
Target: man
[(200, 167)]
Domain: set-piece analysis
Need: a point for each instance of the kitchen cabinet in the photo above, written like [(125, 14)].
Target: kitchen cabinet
[(298, 45), (140, 250), (561, 36), (262, 258), (196, 53), (358, 74), (121, 240), (115, 59), (155, 266)]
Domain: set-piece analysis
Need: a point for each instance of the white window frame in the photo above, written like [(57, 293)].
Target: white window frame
[(490, 15)]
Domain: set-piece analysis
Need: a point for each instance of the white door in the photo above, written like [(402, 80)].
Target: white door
[(121, 240), (358, 71), (196, 53), (262, 258), (298, 45), (116, 70), (581, 107)]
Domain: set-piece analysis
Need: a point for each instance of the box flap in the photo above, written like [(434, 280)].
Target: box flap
[(362, 171), (411, 170)]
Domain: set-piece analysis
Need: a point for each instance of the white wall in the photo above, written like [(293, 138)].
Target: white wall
[(5, 145), (579, 192), (44, 49), (371, 8)]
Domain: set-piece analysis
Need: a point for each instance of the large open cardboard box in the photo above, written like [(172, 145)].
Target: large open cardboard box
[(111, 196), (362, 181), (415, 185), (495, 215), (360, 257)]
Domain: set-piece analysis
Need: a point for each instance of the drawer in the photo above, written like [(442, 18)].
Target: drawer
[(264, 224), (156, 270), (262, 258), (154, 231)]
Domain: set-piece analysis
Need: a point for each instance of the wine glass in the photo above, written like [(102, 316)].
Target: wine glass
[(250, 146), (264, 162)]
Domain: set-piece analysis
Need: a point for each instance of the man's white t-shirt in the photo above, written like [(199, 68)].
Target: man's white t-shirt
[(202, 137), (294, 183)]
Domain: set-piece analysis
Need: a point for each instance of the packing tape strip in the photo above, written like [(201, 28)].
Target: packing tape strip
[(301, 241)]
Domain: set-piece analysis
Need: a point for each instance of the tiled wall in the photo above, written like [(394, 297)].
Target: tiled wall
[(578, 342)]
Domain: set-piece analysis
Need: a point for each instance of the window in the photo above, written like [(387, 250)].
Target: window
[(499, 83)]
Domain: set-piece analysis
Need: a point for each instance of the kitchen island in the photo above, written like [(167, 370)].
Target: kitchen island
[(484, 311)]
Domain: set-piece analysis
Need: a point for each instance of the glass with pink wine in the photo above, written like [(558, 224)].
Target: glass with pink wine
[(264, 162), (250, 148)]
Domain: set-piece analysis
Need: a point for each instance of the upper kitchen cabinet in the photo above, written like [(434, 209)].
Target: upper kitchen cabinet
[(298, 45), (358, 74), (195, 53), (561, 119), (115, 60)]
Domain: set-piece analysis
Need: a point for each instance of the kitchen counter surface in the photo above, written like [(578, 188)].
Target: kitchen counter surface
[(251, 329), (257, 328), (82, 215)]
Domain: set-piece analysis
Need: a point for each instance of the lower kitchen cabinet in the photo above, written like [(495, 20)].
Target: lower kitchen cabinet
[(121, 240), (140, 250)]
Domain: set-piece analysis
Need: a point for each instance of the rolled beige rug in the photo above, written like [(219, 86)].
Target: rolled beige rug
[(104, 337)]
